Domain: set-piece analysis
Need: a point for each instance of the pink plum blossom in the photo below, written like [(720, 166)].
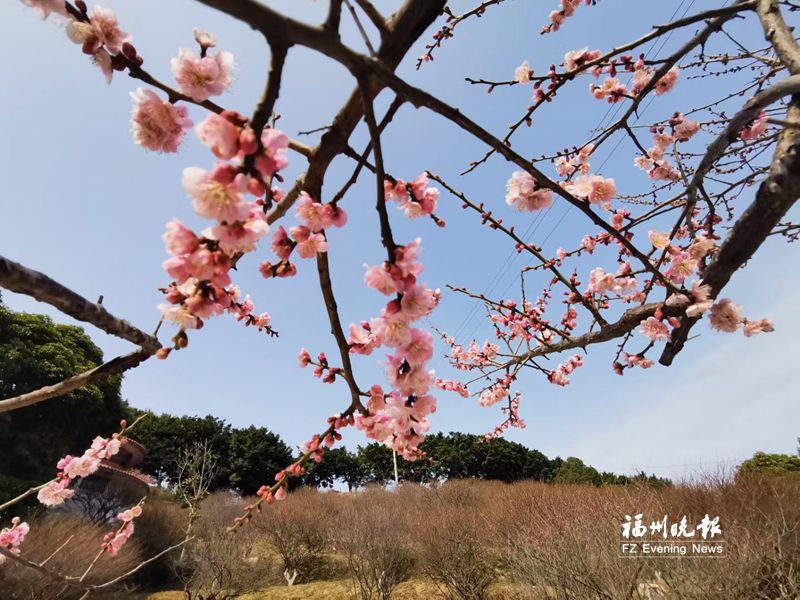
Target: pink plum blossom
[(308, 244), (179, 239), (611, 89), (654, 329), (417, 302), (202, 77), (158, 125), (658, 239), (213, 197), (12, 537), (379, 278), (577, 58), (754, 129), (220, 134), (240, 236), (681, 266), (180, 315), (204, 39), (419, 350), (667, 82), (273, 157), (701, 294), (55, 492), (522, 74), (726, 316), (523, 193), (752, 328)]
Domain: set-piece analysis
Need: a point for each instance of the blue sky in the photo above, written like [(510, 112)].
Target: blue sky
[(80, 202)]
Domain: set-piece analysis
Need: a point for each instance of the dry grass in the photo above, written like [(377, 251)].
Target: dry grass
[(473, 540)]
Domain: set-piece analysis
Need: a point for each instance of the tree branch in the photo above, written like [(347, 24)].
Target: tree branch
[(19, 279)]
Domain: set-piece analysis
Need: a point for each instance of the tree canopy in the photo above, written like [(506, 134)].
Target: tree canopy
[(35, 352)]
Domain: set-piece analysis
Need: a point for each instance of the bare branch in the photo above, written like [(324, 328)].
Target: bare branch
[(19, 279)]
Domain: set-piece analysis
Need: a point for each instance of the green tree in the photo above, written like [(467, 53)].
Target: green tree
[(573, 470), (35, 352), (376, 462), (166, 435), (255, 455), (338, 464), (770, 464)]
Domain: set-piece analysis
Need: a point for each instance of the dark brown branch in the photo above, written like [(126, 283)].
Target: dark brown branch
[(334, 17), (362, 159), (326, 286), (380, 175), (374, 15), (406, 27), (19, 279), (267, 103)]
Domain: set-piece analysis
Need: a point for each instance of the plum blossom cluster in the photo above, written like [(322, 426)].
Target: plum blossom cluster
[(100, 37), (613, 90), (313, 449), (620, 283), (474, 356), (495, 393), (582, 183), (71, 467), (723, 315), (560, 375), (115, 540), (398, 418), (558, 16), (322, 370), (512, 418), (202, 75), (160, 125), (200, 264), (12, 537), (654, 163), (415, 199), (449, 385), (308, 239)]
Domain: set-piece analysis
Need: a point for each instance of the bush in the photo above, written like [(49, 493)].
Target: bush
[(374, 535), (299, 531), (218, 564), (68, 544), (452, 540), (161, 526)]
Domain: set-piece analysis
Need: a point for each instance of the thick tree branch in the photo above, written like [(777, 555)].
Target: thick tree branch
[(19, 279), (775, 196), (374, 15), (779, 34), (267, 103)]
